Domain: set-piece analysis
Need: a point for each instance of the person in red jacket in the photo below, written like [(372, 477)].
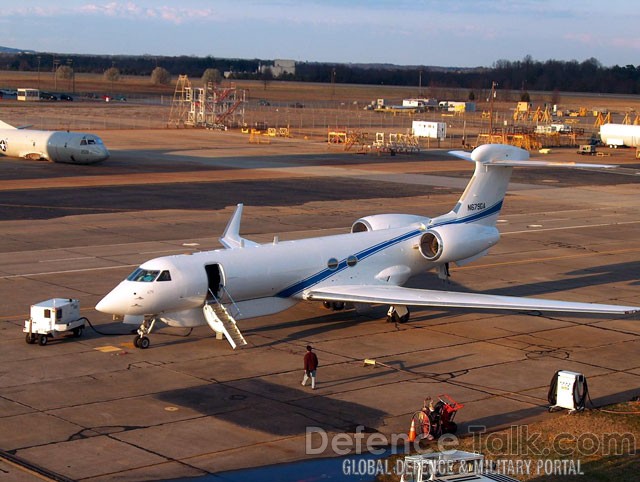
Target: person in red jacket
[(310, 367)]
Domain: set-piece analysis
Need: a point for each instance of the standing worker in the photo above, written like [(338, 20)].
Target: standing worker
[(310, 367)]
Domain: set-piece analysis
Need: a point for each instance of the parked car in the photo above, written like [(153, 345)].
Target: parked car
[(47, 96), (66, 97), (263, 102)]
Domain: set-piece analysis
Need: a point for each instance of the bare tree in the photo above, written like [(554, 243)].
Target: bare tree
[(64, 72), (160, 76), (112, 74), (211, 75)]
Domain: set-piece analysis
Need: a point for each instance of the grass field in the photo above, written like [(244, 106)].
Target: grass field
[(591, 446)]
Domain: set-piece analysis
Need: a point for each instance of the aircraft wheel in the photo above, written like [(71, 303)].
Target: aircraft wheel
[(42, 340), (405, 318), (77, 332), (144, 342), (136, 341), (30, 338)]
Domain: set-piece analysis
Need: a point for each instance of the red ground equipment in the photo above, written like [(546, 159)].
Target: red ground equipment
[(436, 418)]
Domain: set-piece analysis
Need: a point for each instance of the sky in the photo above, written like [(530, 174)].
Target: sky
[(452, 33)]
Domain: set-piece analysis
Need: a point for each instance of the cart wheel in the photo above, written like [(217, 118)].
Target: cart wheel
[(30, 338), (42, 340), (77, 332), (144, 342)]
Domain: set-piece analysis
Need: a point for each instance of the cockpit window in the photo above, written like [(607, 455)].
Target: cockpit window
[(164, 276), (83, 142), (91, 141), (143, 275)]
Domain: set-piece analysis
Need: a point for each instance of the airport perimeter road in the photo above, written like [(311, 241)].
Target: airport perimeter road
[(96, 408)]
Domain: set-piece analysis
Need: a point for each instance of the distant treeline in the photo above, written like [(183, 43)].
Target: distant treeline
[(525, 75)]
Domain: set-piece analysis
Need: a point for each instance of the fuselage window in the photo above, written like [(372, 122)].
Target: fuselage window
[(164, 276), (352, 261), (332, 264), (143, 275)]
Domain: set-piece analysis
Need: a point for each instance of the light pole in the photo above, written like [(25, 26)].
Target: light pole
[(56, 63)]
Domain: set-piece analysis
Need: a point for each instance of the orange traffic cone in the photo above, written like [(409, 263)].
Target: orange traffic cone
[(412, 431)]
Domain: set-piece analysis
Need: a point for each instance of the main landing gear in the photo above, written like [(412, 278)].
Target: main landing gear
[(398, 314), (141, 340), (334, 305)]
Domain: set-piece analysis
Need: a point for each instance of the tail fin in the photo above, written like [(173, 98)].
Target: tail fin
[(483, 197)]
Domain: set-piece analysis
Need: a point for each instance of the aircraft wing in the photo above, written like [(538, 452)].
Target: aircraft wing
[(398, 295)]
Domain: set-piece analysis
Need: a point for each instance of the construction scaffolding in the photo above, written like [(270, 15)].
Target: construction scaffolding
[(181, 101), (211, 107), (529, 139), (396, 142)]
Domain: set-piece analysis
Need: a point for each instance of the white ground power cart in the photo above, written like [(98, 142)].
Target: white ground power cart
[(52, 318)]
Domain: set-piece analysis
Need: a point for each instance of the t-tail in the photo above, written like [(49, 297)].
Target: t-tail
[(483, 197)]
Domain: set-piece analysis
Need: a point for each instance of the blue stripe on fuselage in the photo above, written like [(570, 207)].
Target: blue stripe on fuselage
[(302, 285)]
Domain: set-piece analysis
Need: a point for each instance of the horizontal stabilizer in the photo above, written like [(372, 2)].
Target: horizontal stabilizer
[(397, 295), (4, 125), (231, 237), (462, 155), (467, 156), (575, 165)]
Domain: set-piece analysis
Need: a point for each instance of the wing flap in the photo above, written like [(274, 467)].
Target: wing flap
[(397, 295)]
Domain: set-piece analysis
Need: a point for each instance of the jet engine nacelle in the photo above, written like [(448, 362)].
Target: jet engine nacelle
[(387, 221), (457, 242)]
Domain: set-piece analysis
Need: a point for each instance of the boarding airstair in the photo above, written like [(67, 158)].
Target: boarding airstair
[(221, 321)]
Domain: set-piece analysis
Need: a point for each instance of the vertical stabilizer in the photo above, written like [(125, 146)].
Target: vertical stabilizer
[(484, 195)]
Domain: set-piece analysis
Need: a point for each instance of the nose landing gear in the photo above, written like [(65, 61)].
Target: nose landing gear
[(141, 340)]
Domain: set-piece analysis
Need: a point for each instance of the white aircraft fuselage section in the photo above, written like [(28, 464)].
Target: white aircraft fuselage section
[(283, 269), (369, 265), (54, 146)]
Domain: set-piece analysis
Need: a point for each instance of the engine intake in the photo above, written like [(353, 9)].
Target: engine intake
[(386, 221), (457, 242)]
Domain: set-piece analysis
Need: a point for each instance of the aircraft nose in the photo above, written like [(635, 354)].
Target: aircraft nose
[(114, 303), (102, 154)]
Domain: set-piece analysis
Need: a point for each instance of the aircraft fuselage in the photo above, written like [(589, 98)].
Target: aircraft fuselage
[(54, 146), (276, 273)]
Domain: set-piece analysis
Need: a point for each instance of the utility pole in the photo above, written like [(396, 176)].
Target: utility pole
[(56, 63), (493, 95), (333, 82), (39, 57), (72, 78)]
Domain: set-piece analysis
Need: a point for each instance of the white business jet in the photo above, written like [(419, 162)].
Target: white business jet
[(368, 265), (54, 146)]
